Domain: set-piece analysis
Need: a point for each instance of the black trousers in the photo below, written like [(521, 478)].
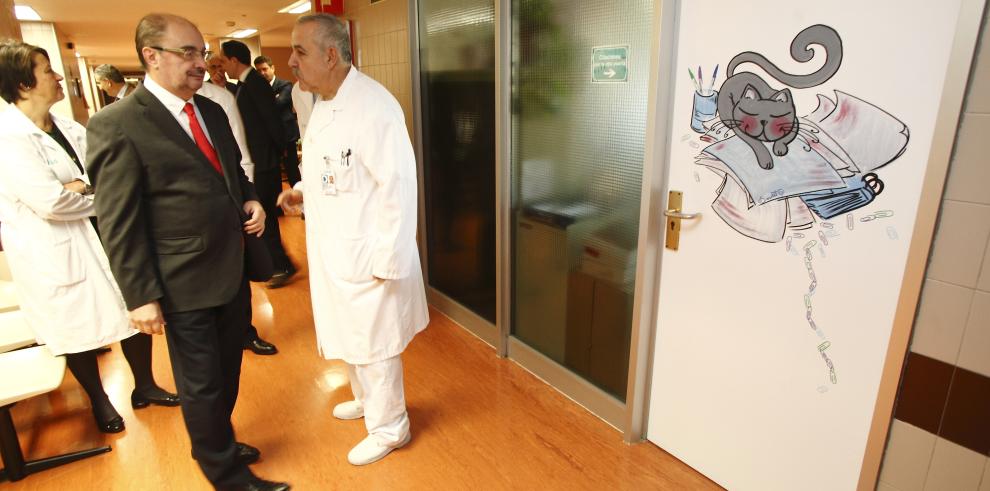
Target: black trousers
[(290, 162), (268, 184), (205, 347)]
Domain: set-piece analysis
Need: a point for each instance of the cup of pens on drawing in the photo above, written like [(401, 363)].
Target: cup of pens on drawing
[(705, 100)]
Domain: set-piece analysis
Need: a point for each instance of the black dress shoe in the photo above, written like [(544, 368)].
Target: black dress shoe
[(157, 396), (113, 425), (258, 484), (261, 347), (281, 278), (246, 454)]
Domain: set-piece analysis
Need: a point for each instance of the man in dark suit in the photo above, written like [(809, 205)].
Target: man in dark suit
[(283, 104), (265, 141), (173, 204)]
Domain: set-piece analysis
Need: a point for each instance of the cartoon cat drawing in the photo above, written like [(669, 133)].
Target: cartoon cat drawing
[(758, 113)]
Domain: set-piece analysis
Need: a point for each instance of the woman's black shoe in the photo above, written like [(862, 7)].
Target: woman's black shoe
[(113, 425), (156, 396)]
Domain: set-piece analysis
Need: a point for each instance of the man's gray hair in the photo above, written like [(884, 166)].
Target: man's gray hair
[(330, 32), (108, 72)]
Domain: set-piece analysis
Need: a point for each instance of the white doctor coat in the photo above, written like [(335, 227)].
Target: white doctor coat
[(365, 277), (65, 288)]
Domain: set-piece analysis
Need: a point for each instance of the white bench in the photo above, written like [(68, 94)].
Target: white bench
[(14, 331), (26, 373)]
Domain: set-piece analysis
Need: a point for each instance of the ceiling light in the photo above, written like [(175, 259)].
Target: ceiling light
[(242, 33), (23, 12), (296, 8)]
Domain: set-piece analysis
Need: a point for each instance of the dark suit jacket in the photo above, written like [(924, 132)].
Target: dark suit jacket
[(232, 87), (283, 103), (170, 224), (262, 124)]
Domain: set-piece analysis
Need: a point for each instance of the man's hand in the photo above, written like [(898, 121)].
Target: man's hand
[(291, 201), (76, 186), (148, 318), (256, 224)]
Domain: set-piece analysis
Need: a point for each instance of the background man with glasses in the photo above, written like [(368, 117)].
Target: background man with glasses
[(173, 204), (111, 82)]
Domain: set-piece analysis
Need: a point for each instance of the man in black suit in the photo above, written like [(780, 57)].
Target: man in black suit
[(283, 104), (265, 141), (173, 204)]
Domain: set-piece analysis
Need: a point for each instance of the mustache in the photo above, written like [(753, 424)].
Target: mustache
[(199, 72)]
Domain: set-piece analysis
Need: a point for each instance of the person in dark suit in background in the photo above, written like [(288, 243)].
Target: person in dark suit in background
[(266, 141), (112, 84), (173, 205), (283, 104)]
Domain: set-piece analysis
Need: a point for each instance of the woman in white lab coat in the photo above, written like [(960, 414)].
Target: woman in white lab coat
[(65, 288)]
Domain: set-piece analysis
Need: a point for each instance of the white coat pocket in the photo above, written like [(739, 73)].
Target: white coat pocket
[(346, 170), (62, 266), (349, 259)]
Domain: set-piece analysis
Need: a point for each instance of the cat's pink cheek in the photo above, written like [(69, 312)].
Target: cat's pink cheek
[(749, 124), (779, 127)]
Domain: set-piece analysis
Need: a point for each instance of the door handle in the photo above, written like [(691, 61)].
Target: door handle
[(682, 216), (674, 216)]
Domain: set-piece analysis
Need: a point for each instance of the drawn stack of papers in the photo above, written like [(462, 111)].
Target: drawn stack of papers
[(838, 143)]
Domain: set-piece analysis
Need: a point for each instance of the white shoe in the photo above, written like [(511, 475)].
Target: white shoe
[(372, 449), (348, 410)]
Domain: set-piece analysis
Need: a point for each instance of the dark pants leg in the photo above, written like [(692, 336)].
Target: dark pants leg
[(205, 350), (290, 162), (137, 351), (268, 184)]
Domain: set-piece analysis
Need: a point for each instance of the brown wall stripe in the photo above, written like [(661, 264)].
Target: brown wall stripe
[(946, 400)]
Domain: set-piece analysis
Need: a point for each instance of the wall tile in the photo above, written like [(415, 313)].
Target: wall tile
[(984, 281), (941, 322), (969, 172), (924, 390), (882, 486), (975, 351), (985, 483), (966, 420), (909, 452), (960, 243), (954, 468)]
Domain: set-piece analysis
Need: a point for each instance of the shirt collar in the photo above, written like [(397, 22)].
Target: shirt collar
[(172, 102), (347, 86), (244, 74), (122, 92)]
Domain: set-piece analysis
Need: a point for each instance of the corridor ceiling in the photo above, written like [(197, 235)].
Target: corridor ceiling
[(103, 30)]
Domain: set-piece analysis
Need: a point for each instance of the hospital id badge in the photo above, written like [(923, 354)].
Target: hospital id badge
[(329, 179)]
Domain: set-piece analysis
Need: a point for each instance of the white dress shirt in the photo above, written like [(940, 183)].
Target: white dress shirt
[(176, 106)]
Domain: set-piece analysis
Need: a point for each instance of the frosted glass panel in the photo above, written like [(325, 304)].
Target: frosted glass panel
[(457, 60), (578, 137)]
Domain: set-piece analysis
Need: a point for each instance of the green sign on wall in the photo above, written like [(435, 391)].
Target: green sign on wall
[(610, 64)]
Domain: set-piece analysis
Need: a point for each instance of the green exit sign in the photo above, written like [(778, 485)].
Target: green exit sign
[(610, 64)]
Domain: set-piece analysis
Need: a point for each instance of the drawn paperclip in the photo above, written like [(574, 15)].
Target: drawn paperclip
[(788, 244), (867, 218), (798, 235), (883, 213), (892, 233), (831, 375), (822, 389), (824, 346), (809, 245), (827, 225), (807, 300), (821, 235), (849, 221)]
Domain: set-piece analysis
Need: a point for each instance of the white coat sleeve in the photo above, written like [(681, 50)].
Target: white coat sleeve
[(237, 127), (26, 176), (390, 160)]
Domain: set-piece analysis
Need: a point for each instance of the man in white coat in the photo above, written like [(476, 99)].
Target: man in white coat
[(359, 185)]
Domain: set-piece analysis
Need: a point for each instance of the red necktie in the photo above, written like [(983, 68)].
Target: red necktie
[(200, 137)]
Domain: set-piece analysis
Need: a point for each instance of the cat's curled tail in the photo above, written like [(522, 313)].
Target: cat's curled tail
[(801, 51)]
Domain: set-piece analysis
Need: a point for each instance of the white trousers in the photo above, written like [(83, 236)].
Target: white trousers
[(378, 386)]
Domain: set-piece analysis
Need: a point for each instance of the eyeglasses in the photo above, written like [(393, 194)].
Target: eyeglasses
[(186, 53)]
